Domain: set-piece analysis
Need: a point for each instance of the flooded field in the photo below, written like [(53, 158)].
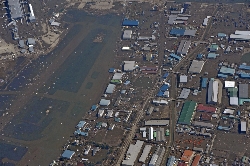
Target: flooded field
[(5, 102), (64, 83)]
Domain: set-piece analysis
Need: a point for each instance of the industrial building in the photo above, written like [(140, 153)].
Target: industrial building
[(243, 90), (183, 47), (187, 112), (156, 122), (196, 67), (15, 9), (240, 35), (145, 153), (212, 92), (203, 124), (110, 89), (127, 34), (132, 153)]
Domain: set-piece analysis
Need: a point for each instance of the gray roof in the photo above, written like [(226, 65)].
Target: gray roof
[(243, 90), (156, 122), (189, 32), (210, 91), (110, 89), (23, 51), (104, 102), (68, 154), (132, 153), (160, 134), (127, 34), (15, 9), (55, 23), (203, 124), (243, 126), (150, 110), (31, 49), (32, 18), (117, 76), (31, 41), (184, 93), (183, 78), (153, 160), (196, 66), (21, 43), (145, 153), (129, 65), (183, 47)]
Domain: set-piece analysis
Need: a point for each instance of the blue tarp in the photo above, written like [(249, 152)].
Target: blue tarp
[(130, 22), (199, 56), (165, 75)]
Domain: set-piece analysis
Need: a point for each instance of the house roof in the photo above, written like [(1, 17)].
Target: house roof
[(203, 108), (196, 160), (187, 155)]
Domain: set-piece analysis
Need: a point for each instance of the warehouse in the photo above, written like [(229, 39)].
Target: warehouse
[(145, 153), (243, 90), (156, 122), (196, 67), (187, 112), (127, 34), (183, 47), (212, 92), (203, 124), (132, 153), (184, 93)]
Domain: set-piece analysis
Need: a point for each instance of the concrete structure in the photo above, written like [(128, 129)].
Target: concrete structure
[(212, 93), (132, 153), (243, 90), (183, 47), (184, 93), (145, 153), (127, 34), (156, 122), (187, 112), (67, 154), (196, 67), (128, 66)]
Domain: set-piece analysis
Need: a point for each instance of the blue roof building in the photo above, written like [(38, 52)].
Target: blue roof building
[(176, 57), (199, 56), (81, 124), (111, 70), (226, 70), (67, 154), (177, 32), (93, 107), (221, 35), (222, 75), (165, 75), (204, 82), (244, 75), (82, 133), (127, 22), (212, 55), (244, 67), (160, 94), (164, 87)]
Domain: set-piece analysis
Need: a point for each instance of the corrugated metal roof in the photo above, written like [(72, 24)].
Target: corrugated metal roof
[(196, 66), (145, 153), (243, 90), (183, 47), (226, 70), (184, 93), (187, 112)]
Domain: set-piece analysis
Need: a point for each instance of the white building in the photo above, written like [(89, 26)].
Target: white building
[(150, 133), (127, 34)]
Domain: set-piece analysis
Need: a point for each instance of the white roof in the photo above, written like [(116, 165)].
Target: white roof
[(104, 102), (229, 84), (228, 111), (205, 21), (196, 66), (215, 91), (183, 78), (145, 153), (126, 48), (237, 32), (129, 65), (184, 93), (243, 126), (234, 101), (242, 37), (117, 76)]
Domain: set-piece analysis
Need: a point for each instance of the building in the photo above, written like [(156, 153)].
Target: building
[(81, 124), (207, 109), (184, 93), (171, 161), (183, 47), (117, 76), (205, 21), (127, 34), (182, 32), (131, 23), (203, 124), (176, 57), (243, 126), (125, 48), (204, 82), (129, 66), (150, 133), (100, 113), (132, 153), (153, 160), (229, 84), (31, 41), (229, 111), (32, 17), (240, 35), (187, 112), (160, 134), (110, 89), (198, 149), (212, 55), (196, 160), (187, 156), (145, 153), (104, 102), (222, 35), (21, 44), (212, 92), (243, 90), (233, 91), (156, 122), (213, 48), (183, 79), (67, 154), (234, 101), (196, 67), (150, 110), (15, 9), (244, 67), (227, 70), (206, 116)]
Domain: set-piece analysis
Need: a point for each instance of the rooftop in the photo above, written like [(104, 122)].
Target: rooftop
[(187, 112), (196, 66), (156, 122), (187, 155), (68, 154), (132, 153)]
